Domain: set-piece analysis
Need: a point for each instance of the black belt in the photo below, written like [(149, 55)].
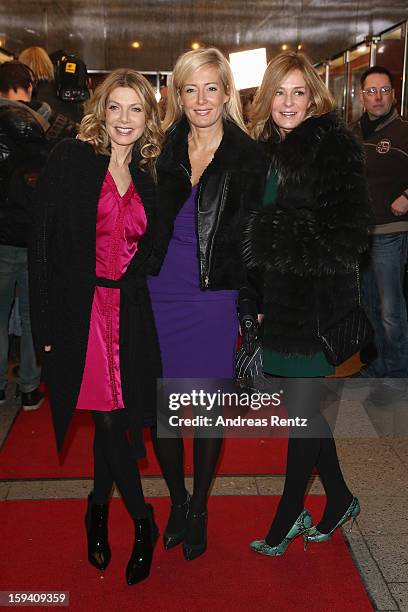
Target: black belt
[(100, 281), (129, 285)]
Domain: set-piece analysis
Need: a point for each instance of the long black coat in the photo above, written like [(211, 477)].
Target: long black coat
[(307, 245), (62, 279)]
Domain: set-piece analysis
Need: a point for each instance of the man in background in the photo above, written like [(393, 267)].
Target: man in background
[(23, 152), (385, 138)]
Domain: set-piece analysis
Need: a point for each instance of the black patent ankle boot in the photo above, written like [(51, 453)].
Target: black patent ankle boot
[(146, 534), (96, 522)]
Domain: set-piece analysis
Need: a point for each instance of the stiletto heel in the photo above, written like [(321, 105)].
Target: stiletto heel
[(177, 511), (300, 526), (192, 551), (146, 535), (314, 535), (96, 523)]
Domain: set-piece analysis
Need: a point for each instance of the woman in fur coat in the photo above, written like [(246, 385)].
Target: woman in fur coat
[(305, 245)]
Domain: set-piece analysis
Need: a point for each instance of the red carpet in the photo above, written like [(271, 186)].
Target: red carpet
[(30, 451), (43, 548)]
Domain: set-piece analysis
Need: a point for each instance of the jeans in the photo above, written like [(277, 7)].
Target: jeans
[(13, 271), (384, 301)]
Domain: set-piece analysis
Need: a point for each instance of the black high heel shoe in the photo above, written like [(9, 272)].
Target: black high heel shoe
[(146, 534), (178, 514), (96, 523), (196, 522)]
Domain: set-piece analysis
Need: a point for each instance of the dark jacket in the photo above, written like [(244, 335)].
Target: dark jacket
[(386, 152), (229, 188), (23, 153), (62, 281), (306, 246), (47, 92)]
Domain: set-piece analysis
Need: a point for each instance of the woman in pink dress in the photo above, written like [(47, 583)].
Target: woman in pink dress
[(92, 312)]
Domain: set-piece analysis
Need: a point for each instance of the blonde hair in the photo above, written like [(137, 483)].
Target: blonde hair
[(185, 66), (38, 60), (93, 129), (321, 100)]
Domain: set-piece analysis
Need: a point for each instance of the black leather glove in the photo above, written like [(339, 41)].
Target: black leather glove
[(249, 330)]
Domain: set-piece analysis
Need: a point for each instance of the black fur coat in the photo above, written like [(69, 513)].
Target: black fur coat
[(306, 245)]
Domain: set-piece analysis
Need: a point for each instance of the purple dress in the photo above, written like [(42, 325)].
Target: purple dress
[(197, 329)]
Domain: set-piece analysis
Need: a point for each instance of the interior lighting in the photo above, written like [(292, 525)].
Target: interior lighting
[(299, 47), (284, 47), (248, 67), (136, 44), (195, 45), (362, 48), (381, 49)]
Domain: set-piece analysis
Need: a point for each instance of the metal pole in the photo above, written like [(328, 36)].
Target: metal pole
[(404, 94), (327, 73), (346, 83)]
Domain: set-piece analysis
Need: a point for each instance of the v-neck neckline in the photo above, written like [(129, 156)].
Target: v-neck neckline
[(116, 187)]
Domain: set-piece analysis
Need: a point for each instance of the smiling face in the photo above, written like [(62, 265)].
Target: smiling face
[(380, 103), (203, 97), (290, 103), (124, 116)]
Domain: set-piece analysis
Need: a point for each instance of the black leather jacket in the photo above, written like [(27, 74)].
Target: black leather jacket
[(23, 152), (229, 188)]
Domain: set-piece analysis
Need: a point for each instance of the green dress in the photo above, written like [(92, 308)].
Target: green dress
[(291, 366)]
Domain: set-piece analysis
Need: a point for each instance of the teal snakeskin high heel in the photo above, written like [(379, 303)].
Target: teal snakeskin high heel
[(302, 524), (314, 535)]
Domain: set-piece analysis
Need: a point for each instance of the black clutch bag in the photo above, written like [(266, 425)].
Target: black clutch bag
[(249, 366), (348, 336)]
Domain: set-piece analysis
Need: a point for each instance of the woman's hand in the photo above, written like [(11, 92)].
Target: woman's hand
[(249, 332), (47, 348)]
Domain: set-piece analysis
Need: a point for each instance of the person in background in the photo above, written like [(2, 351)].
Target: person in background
[(92, 317), (305, 245), (385, 138), (24, 151), (45, 88), (210, 175)]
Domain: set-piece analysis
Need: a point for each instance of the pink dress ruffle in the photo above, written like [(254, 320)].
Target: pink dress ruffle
[(121, 222)]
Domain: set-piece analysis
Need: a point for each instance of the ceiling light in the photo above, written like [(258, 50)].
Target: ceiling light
[(299, 47), (284, 47), (362, 48), (136, 44), (195, 46)]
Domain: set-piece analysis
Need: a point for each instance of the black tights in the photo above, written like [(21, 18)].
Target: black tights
[(114, 462), (302, 398), (170, 454)]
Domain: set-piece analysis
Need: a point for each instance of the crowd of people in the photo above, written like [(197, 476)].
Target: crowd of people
[(139, 246)]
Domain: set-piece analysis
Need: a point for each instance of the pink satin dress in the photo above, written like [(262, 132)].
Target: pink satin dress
[(121, 222)]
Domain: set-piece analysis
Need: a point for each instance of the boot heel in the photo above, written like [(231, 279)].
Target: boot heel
[(146, 536), (96, 524)]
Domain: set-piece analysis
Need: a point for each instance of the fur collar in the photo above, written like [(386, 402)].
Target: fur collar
[(236, 153), (293, 158)]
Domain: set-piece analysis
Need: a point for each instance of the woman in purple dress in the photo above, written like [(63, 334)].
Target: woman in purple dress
[(210, 174), (96, 224)]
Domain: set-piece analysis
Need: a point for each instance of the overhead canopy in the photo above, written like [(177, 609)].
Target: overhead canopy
[(102, 31)]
